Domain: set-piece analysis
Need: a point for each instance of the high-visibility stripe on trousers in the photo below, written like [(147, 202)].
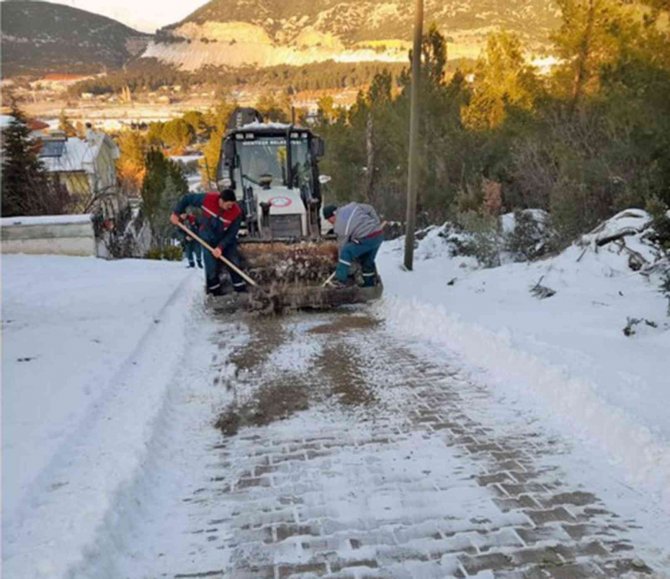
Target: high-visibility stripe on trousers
[(365, 252)]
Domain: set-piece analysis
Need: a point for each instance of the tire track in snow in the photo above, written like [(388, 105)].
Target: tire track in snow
[(413, 479), (74, 494)]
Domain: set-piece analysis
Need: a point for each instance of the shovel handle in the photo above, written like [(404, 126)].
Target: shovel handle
[(327, 282), (206, 245)]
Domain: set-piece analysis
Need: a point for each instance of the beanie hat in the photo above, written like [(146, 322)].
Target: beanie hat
[(329, 211), (227, 195)]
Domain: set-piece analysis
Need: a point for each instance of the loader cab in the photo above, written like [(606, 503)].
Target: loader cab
[(273, 169)]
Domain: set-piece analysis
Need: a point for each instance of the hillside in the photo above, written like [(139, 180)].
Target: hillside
[(40, 38), (274, 32), (369, 20)]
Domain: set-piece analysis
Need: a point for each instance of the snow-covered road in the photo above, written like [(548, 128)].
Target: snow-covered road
[(397, 440), (352, 452)]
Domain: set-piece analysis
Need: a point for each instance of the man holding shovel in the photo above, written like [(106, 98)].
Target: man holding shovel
[(359, 235), (192, 247), (221, 219)]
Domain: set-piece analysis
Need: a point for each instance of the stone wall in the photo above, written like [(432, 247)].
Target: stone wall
[(57, 235)]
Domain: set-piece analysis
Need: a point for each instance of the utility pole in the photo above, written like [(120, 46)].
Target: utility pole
[(413, 178)]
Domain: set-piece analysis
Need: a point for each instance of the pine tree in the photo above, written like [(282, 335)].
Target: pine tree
[(210, 160), (177, 135), (163, 184), (590, 36), (131, 163), (502, 81), (24, 178), (216, 121), (195, 120)]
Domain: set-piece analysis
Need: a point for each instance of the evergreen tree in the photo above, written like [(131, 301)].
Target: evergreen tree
[(163, 184), (590, 35), (25, 185), (131, 163), (275, 108), (327, 111), (210, 160), (503, 81), (196, 121), (155, 134), (177, 134)]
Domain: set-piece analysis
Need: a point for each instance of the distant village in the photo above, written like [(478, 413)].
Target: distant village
[(92, 147)]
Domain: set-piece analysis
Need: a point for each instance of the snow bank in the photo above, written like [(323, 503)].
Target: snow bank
[(89, 349), (566, 357), (625, 223)]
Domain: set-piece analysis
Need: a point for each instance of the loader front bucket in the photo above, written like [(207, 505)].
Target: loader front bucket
[(299, 263), (290, 277), (282, 299)]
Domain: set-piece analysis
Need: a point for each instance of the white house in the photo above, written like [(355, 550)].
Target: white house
[(85, 166)]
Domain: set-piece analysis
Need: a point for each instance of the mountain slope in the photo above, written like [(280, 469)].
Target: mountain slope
[(272, 32), (361, 20), (40, 37)]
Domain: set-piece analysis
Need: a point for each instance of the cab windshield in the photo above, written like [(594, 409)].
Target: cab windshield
[(266, 158), (263, 158)]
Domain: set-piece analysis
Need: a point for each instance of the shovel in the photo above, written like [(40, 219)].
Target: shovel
[(329, 280), (209, 248)]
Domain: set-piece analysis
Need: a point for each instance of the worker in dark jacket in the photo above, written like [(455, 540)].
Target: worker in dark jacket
[(192, 247), (359, 235), (221, 219)]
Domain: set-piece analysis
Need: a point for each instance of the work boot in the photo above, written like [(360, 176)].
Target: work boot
[(216, 290), (200, 264), (369, 279), (190, 266)]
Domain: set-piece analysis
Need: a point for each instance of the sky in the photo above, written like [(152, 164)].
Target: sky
[(144, 15)]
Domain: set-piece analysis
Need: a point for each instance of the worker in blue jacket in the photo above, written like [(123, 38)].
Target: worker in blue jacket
[(191, 246), (221, 220), (359, 236)]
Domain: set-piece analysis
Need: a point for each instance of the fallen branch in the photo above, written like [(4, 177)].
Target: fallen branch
[(629, 330), (542, 292)]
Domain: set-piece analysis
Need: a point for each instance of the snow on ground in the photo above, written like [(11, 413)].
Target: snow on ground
[(105, 375), (566, 356), (88, 347)]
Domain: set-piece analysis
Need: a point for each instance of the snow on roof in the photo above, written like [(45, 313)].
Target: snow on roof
[(78, 154), (257, 125), (45, 220)]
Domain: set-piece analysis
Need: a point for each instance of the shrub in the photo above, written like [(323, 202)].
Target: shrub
[(483, 240), (531, 237), (154, 253), (168, 253), (173, 253)]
